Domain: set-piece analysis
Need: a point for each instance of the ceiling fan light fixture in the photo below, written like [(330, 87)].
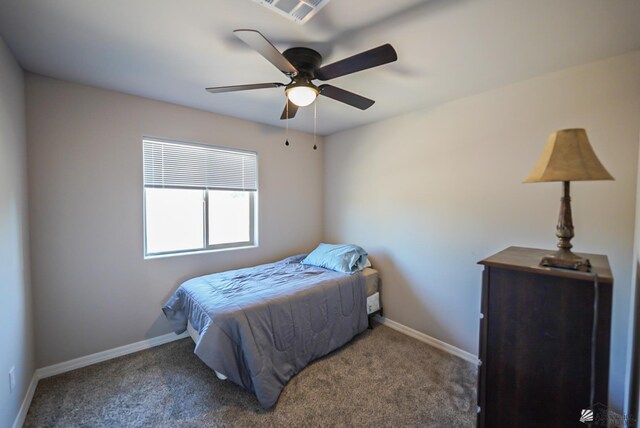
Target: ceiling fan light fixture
[(301, 95)]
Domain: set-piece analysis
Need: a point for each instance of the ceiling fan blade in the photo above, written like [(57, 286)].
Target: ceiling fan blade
[(346, 97), (368, 59), (220, 89), (264, 47), (293, 109)]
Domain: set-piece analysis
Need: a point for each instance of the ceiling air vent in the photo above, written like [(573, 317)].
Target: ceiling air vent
[(299, 11)]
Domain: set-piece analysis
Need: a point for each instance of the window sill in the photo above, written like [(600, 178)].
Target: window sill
[(195, 252)]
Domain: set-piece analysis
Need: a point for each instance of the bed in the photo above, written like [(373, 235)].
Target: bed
[(259, 326)]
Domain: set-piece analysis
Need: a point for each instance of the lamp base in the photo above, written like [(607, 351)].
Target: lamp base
[(565, 259)]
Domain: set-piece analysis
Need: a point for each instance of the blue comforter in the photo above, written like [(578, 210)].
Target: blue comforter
[(260, 326)]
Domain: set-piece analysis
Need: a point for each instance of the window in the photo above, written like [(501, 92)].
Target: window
[(197, 197)]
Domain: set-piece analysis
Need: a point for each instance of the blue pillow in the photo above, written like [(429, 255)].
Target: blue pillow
[(345, 258)]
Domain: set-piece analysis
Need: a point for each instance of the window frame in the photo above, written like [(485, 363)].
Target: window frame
[(252, 237), (253, 207)]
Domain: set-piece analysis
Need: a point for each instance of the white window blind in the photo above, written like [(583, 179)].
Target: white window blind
[(180, 165)]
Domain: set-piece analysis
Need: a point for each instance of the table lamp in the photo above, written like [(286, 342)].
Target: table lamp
[(567, 157)]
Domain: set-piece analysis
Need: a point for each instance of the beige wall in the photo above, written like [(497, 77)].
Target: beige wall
[(16, 314), (93, 289), (634, 322), (430, 193)]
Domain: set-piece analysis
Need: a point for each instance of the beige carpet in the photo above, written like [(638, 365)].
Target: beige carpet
[(381, 378)]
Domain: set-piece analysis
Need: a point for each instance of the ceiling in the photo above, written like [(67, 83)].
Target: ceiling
[(170, 50)]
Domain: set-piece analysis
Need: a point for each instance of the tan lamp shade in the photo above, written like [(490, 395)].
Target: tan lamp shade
[(568, 156)]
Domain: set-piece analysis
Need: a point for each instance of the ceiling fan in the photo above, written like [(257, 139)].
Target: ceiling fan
[(302, 65)]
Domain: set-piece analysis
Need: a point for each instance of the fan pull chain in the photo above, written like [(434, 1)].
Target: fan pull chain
[(315, 119), (286, 143)]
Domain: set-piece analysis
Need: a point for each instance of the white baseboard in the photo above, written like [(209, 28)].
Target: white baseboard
[(436, 343), (24, 408), (98, 357), (77, 363)]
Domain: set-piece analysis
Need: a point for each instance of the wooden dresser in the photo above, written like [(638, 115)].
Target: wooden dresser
[(535, 340)]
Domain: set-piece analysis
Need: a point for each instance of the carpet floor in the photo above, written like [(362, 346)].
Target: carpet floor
[(381, 378)]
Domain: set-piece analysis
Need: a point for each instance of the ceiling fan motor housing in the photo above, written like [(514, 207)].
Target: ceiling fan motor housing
[(305, 60)]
